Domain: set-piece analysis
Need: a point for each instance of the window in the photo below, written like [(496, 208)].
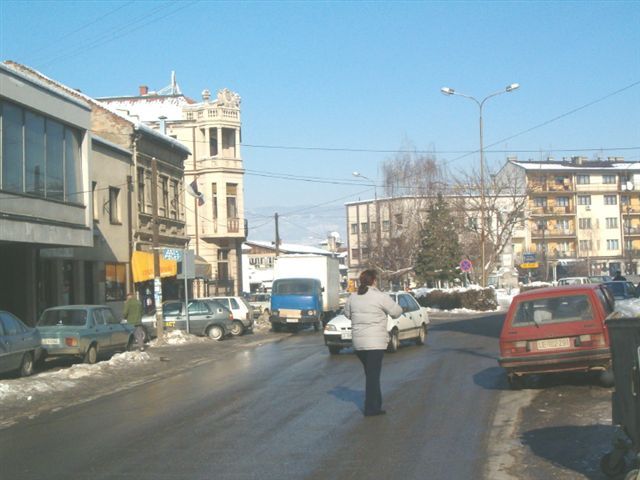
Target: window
[(610, 200), (365, 252), (94, 201), (612, 222), (213, 142), (232, 205), (563, 247), (354, 228), (355, 254), (610, 179), (398, 219), (175, 199), (109, 317), (612, 244), (73, 190), (562, 224), (114, 207), (142, 204), (115, 281), (34, 154), (586, 245), (584, 223), (228, 142), (583, 179), (562, 201), (540, 201), (164, 183), (198, 308), (189, 115), (624, 200), (553, 310), (385, 225), (55, 160), (214, 201), (584, 199), (364, 227), (12, 148)]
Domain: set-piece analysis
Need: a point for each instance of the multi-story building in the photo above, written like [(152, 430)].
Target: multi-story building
[(45, 192), (211, 130), (117, 201), (580, 211)]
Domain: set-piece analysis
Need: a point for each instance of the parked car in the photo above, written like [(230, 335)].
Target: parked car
[(206, 318), (557, 329), (242, 313), (85, 331), (573, 281), (260, 302), (20, 346), (412, 324), (600, 278), (626, 295)]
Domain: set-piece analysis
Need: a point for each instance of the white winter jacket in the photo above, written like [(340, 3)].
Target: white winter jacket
[(368, 314)]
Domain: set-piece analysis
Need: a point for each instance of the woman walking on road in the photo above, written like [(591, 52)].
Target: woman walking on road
[(368, 311)]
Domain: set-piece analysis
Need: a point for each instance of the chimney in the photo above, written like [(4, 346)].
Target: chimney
[(144, 90)]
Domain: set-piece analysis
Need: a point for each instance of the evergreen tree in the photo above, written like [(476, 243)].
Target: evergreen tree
[(439, 253)]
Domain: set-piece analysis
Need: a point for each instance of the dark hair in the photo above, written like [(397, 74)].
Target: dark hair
[(366, 280)]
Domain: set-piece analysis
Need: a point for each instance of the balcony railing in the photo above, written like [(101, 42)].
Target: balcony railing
[(553, 210), (553, 233), (631, 230), (567, 186)]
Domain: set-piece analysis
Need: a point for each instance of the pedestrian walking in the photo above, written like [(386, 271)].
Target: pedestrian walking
[(368, 309), (133, 313)]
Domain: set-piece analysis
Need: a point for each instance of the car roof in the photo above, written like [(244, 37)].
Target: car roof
[(559, 290), (76, 307)]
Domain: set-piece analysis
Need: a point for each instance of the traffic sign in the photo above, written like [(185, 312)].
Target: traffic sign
[(529, 265), (465, 265), (172, 254), (529, 257)]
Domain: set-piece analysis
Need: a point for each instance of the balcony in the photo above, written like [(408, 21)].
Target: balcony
[(553, 233), (631, 230), (553, 210), (566, 186), (234, 228)]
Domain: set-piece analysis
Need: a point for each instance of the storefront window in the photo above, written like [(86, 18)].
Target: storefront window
[(35, 154), (115, 281), (12, 150)]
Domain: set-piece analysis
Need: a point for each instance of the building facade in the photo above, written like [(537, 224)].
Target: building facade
[(580, 211), (211, 129)]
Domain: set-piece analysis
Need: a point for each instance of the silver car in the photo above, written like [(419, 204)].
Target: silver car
[(20, 345)]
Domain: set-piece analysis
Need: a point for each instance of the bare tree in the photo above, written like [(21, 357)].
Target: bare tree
[(505, 204)]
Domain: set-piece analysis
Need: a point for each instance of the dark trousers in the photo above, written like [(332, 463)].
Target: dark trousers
[(372, 363)]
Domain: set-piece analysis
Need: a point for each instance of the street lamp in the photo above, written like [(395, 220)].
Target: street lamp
[(450, 91)]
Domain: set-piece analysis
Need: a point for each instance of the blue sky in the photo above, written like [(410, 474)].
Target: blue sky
[(334, 77)]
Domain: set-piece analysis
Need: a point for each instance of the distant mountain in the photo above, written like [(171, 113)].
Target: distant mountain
[(305, 225)]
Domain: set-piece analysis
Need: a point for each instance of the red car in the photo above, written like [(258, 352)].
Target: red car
[(557, 329)]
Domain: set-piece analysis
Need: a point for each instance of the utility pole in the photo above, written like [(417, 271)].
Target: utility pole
[(277, 236), (157, 283)]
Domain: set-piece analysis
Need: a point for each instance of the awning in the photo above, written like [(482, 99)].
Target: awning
[(142, 267), (203, 268)]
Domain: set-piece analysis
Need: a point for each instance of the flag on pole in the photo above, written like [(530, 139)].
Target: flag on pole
[(192, 189)]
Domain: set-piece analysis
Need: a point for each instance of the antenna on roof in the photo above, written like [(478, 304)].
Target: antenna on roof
[(173, 88)]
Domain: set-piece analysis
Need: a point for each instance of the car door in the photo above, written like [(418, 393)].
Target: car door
[(199, 316), (407, 322), (10, 353), (101, 334), (419, 315), (119, 333), (172, 315)]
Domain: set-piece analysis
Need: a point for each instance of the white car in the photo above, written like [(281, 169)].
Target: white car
[(242, 313), (573, 281), (412, 324)]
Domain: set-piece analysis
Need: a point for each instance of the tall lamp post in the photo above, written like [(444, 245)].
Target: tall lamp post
[(480, 103)]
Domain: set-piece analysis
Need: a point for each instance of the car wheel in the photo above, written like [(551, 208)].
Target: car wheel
[(422, 334), (613, 463), (318, 326), (394, 342), (215, 332), (91, 356), (334, 350), (237, 328), (606, 378), (26, 367)]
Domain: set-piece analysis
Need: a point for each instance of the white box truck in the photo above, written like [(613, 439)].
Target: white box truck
[(305, 290)]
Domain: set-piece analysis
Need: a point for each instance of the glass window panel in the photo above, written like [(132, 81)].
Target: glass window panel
[(12, 148), (55, 157), (72, 166), (34, 157)]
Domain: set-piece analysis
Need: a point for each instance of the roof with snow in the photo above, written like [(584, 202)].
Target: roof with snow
[(288, 247), (568, 165), (31, 73), (149, 108)]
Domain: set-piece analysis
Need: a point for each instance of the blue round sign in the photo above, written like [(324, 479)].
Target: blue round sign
[(465, 265)]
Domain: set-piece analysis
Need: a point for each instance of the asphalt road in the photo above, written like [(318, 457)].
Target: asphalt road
[(279, 406)]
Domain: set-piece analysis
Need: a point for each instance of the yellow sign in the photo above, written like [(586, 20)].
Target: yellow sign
[(529, 265), (142, 267)]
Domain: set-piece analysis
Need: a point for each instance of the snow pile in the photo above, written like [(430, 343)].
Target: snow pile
[(178, 337), (423, 291), (66, 378)]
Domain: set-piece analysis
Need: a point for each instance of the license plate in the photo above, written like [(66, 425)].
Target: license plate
[(292, 320), (553, 343), (346, 335), (50, 341), (170, 324)]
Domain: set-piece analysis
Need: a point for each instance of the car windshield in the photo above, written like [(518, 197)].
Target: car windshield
[(294, 287), (619, 291), (74, 318), (567, 308)]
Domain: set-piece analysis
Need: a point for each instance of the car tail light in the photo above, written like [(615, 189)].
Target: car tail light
[(517, 347), (595, 340), (71, 342)]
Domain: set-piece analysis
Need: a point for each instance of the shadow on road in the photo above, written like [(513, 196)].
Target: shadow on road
[(486, 326), (576, 448), (492, 378), (348, 395)]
